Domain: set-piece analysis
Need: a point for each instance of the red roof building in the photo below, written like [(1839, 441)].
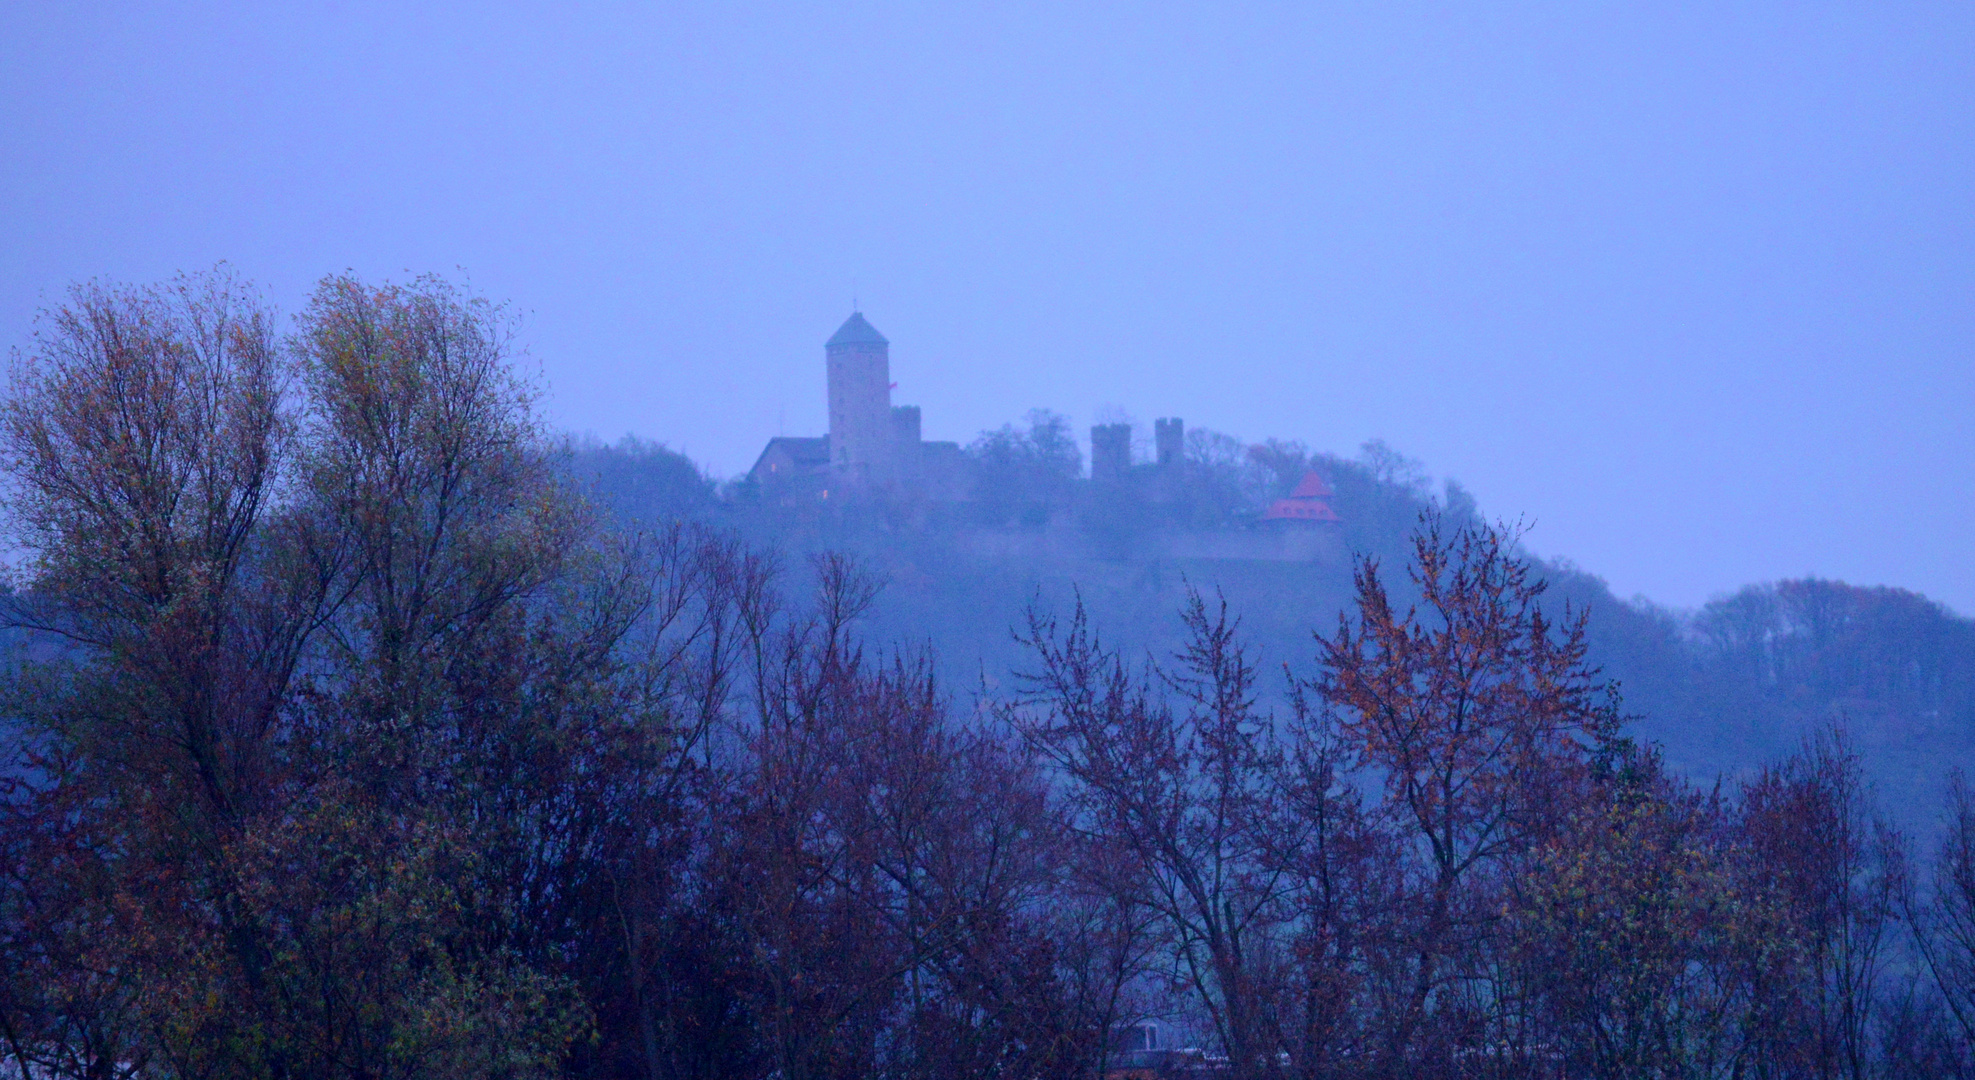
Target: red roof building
[(1306, 503)]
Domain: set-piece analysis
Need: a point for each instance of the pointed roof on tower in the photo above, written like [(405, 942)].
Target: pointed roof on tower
[(856, 331), (1311, 486)]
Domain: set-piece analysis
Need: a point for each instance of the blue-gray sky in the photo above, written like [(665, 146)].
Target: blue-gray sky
[(1690, 286)]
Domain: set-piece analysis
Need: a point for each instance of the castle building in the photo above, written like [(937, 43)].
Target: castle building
[(873, 445), (862, 436), (1110, 452), (876, 451), (1169, 441), (1309, 502)]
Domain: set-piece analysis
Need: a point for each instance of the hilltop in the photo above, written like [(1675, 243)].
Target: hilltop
[(1722, 689)]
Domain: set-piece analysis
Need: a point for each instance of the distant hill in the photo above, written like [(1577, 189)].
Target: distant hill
[(1722, 690)]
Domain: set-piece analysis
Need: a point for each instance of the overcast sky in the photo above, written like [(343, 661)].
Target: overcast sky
[(1691, 287)]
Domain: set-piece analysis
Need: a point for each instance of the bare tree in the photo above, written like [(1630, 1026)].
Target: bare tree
[(1191, 788), (1945, 925), (1839, 870)]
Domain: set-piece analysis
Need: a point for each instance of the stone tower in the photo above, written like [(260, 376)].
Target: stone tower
[(1169, 441), (861, 434), (1110, 452)]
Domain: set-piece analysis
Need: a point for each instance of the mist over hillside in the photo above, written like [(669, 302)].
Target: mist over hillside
[(353, 727), (1722, 690)]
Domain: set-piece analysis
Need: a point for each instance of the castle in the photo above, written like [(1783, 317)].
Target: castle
[(873, 446), (875, 449)]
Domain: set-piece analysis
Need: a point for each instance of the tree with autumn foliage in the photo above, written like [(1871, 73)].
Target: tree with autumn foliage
[(1478, 714), (264, 587), (340, 737), (347, 741), (145, 439), (1631, 929)]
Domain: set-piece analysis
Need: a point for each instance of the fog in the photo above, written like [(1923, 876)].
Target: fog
[(1326, 541), (1687, 287), (1019, 530)]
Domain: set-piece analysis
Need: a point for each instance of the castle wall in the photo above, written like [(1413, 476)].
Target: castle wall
[(905, 426), (906, 444)]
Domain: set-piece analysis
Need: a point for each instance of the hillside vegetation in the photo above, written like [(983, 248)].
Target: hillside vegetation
[(353, 727), (1722, 690)]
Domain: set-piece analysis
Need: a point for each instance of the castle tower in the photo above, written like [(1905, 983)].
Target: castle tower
[(1169, 441), (862, 440), (1110, 452)]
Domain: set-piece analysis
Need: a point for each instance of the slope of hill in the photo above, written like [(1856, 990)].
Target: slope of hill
[(1722, 690)]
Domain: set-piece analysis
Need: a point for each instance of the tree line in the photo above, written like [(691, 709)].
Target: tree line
[(343, 738)]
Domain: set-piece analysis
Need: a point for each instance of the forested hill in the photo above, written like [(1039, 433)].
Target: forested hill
[(1722, 690), (342, 736)]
